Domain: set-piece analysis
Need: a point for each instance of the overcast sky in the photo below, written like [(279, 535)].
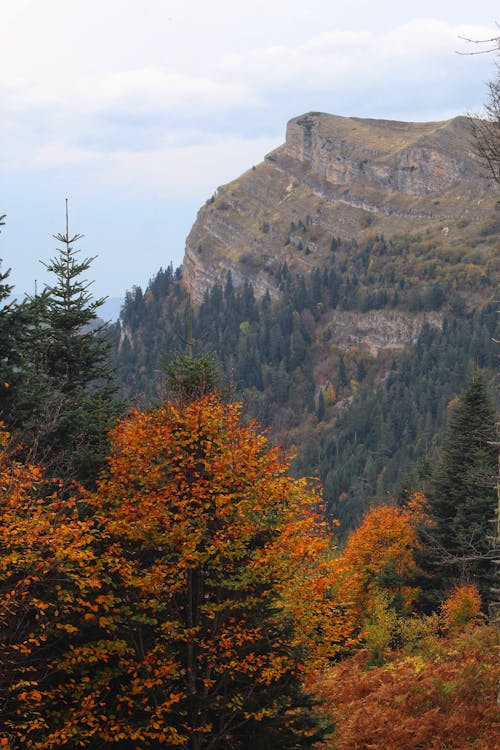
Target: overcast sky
[(136, 110)]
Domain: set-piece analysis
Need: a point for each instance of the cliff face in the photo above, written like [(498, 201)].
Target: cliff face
[(346, 178), (378, 330), (410, 158)]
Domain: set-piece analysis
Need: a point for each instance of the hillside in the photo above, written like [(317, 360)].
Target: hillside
[(346, 288)]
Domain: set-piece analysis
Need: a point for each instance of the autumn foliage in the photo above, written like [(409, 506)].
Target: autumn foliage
[(442, 697), (209, 532), (416, 681), (196, 600), (463, 605), (50, 584), (167, 609), (380, 558)]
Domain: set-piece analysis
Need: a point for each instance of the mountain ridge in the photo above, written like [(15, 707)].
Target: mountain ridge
[(345, 178)]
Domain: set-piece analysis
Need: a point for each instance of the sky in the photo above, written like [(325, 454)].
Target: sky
[(137, 110)]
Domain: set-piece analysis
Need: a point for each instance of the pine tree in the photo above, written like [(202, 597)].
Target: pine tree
[(320, 413), (463, 493)]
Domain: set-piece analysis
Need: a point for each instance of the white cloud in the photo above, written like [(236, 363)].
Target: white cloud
[(55, 155), (355, 57), (187, 170), (68, 118), (144, 90)]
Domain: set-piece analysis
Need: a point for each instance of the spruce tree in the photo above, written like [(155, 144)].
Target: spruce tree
[(77, 353), (69, 403), (463, 492)]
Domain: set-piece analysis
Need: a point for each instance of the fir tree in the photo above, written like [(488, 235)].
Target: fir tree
[(320, 413), (67, 406), (77, 353), (342, 374), (463, 492)]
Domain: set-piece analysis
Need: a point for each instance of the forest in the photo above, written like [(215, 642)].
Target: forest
[(374, 422), (171, 576)]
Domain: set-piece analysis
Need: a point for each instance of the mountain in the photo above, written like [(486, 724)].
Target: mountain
[(336, 179), (346, 286)]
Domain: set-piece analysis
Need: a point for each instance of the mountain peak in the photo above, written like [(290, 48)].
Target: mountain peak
[(339, 177)]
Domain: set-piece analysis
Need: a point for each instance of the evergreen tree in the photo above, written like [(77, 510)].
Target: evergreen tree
[(67, 405), (320, 413), (463, 492), (342, 374), (77, 353), (5, 328), (13, 322), (189, 377)]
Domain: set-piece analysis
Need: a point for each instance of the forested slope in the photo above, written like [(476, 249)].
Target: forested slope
[(354, 378)]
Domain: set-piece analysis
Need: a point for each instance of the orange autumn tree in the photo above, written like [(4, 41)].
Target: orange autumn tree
[(201, 533), (200, 508), (50, 584), (379, 560), (463, 605)]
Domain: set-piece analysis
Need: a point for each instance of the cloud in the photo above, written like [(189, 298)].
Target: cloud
[(350, 58), (151, 120), (176, 171), (143, 90)]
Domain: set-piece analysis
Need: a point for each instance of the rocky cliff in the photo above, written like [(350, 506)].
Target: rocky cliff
[(338, 178)]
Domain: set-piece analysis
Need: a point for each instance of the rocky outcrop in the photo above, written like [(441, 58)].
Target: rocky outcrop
[(378, 330), (344, 177), (410, 158)]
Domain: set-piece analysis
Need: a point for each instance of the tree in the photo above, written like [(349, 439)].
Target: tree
[(486, 130), (200, 506), (17, 377), (463, 494), (11, 327), (181, 602), (66, 406), (486, 133), (6, 348), (380, 558), (51, 578)]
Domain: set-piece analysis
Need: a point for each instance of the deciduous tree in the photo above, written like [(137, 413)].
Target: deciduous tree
[(51, 581), (176, 606), (201, 511), (380, 558), (486, 130)]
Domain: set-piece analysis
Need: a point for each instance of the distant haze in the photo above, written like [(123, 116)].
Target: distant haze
[(110, 310)]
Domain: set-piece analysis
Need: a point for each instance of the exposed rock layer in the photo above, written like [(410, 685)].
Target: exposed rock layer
[(347, 178)]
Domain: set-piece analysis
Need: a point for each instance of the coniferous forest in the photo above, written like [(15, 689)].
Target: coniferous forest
[(370, 432), (168, 576)]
